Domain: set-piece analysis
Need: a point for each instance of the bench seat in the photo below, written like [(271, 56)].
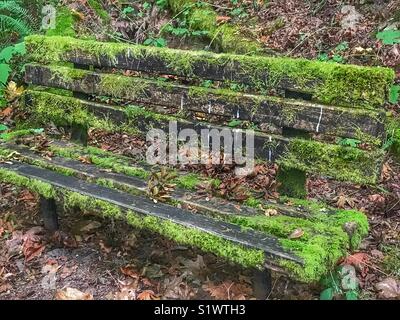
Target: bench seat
[(240, 234)]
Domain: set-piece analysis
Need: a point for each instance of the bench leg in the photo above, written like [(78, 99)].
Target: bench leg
[(79, 134), (48, 210), (262, 283)]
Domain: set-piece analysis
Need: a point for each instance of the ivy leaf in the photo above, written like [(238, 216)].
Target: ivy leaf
[(323, 56), (3, 127), (352, 295), (389, 37), (394, 94), (4, 73), (6, 54), (342, 46), (327, 294), (235, 123)]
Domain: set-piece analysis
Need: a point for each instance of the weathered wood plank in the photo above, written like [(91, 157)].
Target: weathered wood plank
[(91, 172), (267, 147), (262, 111), (145, 206), (328, 83)]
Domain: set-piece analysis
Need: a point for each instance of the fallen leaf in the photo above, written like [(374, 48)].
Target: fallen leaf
[(147, 295), (389, 288), (128, 271), (223, 19), (5, 287), (72, 294), (298, 233)]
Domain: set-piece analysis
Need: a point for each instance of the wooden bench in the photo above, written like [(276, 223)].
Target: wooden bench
[(297, 107)]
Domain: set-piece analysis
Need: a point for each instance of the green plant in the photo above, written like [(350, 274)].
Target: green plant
[(349, 142), (6, 55), (394, 94), (155, 42), (341, 284), (15, 21), (389, 37)]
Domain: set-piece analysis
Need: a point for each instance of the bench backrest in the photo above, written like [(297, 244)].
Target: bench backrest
[(281, 98)]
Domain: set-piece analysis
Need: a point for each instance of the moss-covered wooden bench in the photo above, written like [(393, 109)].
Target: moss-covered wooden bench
[(297, 107)]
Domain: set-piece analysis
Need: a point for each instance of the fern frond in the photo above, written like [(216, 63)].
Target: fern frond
[(10, 24)]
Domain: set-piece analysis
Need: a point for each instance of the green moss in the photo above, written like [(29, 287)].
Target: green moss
[(202, 17), (86, 203), (18, 133), (98, 8), (252, 202), (340, 162), (393, 135), (65, 22), (44, 189), (292, 182), (121, 86), (329, 83), (61, 110), (323, 243), (189, 181), (109, 162), (205, 241)]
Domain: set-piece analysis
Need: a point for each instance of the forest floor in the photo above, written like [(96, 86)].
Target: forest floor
[(104, 261)]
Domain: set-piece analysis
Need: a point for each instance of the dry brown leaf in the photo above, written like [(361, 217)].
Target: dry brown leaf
[(389, 288), (147, 295), (72, 294), (223, 19), (129, 271), (298, 233), (85, 159)]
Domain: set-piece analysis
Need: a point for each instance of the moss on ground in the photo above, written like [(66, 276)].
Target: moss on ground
[(393, 135), (329, 83), (292, 182), (226, 37), (65, 21)]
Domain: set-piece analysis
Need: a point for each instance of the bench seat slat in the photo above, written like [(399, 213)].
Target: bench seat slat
[(145, 206)]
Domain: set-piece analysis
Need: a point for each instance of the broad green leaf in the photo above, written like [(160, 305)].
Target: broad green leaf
[(6, 54), (38, 131), (342, 46), (394, 94), (3, 127), (20, 48), (323, 56), (352, 295), (389, 37), (235, 123), (4, 73), (327, 294)]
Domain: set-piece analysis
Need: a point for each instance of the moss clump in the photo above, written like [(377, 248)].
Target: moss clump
[(18, 133), (292, 182), (189, 181), (203, 17), (65, 21), (393, 135), (328, 83), (109, 162), (44, 189), (339, 162), (205, 241), (61, 110), (98, 8), (323, 243)]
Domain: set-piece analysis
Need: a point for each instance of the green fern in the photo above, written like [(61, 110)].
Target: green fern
[(15, 20)]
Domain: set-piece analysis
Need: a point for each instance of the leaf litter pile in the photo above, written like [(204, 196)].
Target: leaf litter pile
[(94, 259)]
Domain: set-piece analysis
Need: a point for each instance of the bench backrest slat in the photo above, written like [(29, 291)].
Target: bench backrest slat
[(328, 83)]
